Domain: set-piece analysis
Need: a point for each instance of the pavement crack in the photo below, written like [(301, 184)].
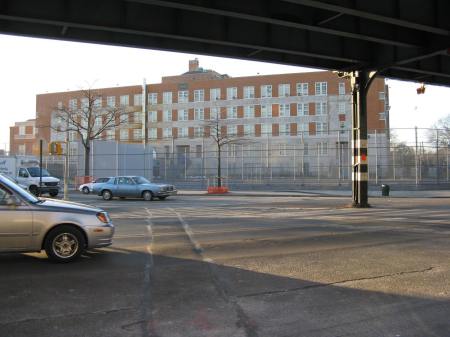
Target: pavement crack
[(322, 285)]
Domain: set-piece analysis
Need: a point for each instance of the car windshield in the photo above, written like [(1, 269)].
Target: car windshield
[(141, 180), (34, 172), (17, 189)]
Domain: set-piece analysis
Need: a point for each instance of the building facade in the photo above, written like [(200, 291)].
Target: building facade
[(300, 117), (23, 138)]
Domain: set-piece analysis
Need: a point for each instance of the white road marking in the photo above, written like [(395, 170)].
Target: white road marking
[(149, 246)]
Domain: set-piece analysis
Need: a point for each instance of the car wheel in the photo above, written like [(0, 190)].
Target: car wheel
[(147, 195), (53, 193), (64, 243), (85, 190), (34, 190), (107, 195), (162, 198)]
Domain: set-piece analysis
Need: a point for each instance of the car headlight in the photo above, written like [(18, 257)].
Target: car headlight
[(103, 217)]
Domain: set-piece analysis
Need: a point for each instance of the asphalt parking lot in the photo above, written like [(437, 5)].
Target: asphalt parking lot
[(243, 266)]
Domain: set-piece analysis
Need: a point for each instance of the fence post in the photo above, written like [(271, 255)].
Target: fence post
[(185, 163), (393, 162), (242, 162), (339, 156), (295, 160), (318, 164), (376, 158), (437, 156), (416, 157), (447, 161)]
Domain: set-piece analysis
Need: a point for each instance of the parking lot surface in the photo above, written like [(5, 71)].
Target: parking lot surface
[(241, 266)]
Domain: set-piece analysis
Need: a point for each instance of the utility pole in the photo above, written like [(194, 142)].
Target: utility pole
[(66, 164), (145, 123)]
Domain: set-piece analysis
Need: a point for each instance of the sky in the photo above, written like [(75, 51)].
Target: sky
[(30, 66)]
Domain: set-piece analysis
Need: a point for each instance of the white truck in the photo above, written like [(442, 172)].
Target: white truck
[(26, 172)]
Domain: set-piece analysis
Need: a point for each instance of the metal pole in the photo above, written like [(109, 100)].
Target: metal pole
[(393, 162), (66, 166), (447, 162), (41, 142), (416, 157), (376, 158), (339, 156), (437, 156), (203, 158), (318, 163), (242, 162), (185, 163), (295, 160)]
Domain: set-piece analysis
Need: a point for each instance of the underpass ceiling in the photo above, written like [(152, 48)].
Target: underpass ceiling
[(404, 39)]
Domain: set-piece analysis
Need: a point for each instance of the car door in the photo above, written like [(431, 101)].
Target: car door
[(16, 223), (126, 187), (22, 176)]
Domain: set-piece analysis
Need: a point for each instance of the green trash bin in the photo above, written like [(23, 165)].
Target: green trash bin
[(385, 190)]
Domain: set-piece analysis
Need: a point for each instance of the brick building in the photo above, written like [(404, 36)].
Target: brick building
[(23, 138), (281, 116)]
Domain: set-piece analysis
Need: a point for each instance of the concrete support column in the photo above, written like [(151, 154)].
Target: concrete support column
[(360, 175)]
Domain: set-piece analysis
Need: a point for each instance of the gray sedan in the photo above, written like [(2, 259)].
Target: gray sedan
[(63, 229), (133, 187)]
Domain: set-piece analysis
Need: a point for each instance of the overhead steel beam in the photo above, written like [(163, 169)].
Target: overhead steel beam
[(370, 16), (273, 21), (422, 71), (217, 41)]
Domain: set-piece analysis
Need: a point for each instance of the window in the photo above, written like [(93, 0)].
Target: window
[(341, 88), (152, 133), (199, 95), (138, 117), (22, 149), (341, 107), (249, 111), (285, 110), (382, 116), (167, 97), (249, 92), (214, 113), (22, 130), (153, 116), (199, 114), (321, 127), (137, 134), (232, 93), (111, 101), (183, 96), (302, 89), (249, 130), (321, 88), (231, 130), (285, 129), (124, 100), (110, 134), (198, 151), (322, 148), (137, 100), (98, 102), (167, 132), (266, 110), (283, 150), (231, 112), (198, 131), (303, 129), (284, 90), (84, 103), (183, 115), (153, 98), (266, 91), (381, 95), (266, 129), (124, 134), (98, 121), (167, 115), (302, 109), (214, 94), (321, 108), (182, 132), (73, 104), (305, 149)]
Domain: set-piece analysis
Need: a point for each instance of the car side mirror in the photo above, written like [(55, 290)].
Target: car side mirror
[(25, 175)]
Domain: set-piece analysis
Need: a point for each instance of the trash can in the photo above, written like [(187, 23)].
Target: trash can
[(385, 190)]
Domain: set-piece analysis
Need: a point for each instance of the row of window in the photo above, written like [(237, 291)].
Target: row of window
[(231, 130), (302, 89), (232, 112)]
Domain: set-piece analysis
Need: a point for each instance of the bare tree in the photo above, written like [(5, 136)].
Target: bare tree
[(220, 136), (89, 121), (440, 132)]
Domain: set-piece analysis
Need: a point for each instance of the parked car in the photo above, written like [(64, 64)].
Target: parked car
[(133, 187), (87, 188), (63, 229)]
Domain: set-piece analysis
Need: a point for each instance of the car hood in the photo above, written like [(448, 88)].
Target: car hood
[(67, 206)]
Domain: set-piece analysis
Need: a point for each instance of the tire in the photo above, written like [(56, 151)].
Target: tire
[(107, 195), (64, 243), (147, 195), (162, 198), (34, 190), (85, 190), (53, 193)]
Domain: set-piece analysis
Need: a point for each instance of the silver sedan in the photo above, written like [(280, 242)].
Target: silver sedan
[(63, 229)]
